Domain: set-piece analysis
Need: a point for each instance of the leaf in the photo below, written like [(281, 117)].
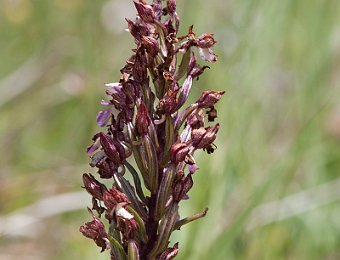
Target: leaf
[(133, 252), (136, 181), (164, 191), (125, 187), (183, 67), (164, 231), (117, 249)]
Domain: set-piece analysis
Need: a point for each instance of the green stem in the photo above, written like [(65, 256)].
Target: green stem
[(187, 220)]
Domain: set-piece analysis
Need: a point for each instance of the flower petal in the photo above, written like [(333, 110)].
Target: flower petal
[(103, 117), (207, 54)]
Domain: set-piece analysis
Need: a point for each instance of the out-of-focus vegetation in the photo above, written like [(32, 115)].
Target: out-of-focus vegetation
[(272, 184)]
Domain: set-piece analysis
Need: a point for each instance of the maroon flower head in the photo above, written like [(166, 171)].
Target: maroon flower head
[(94, 187), (182, 187), (169, 253), (206, 40), (196, 119), (95, 230), (179, 151), (209, 98), (203, 137), (113, 197), (126, 223), (171, 5)]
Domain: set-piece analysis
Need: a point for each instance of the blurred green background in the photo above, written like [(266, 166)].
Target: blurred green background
[(273, 184)]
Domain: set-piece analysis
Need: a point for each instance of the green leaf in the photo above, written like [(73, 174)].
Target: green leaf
[(117, 249), (140, 222), (136, 181), (133, 253), (151, 157), (140, 160), (183, 67), (125, 186), (162, 40), (164, 191), (169, 134), (187, 220), (164, 231)]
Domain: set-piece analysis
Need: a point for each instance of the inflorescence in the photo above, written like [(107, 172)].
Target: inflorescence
[(145, 119)]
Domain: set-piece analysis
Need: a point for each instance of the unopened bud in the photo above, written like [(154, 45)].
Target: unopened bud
[(151, 45), (114, 150), (142, 120), (145, 12), (137, 30)]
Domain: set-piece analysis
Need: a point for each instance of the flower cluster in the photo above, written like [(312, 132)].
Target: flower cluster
[(145, 118)]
